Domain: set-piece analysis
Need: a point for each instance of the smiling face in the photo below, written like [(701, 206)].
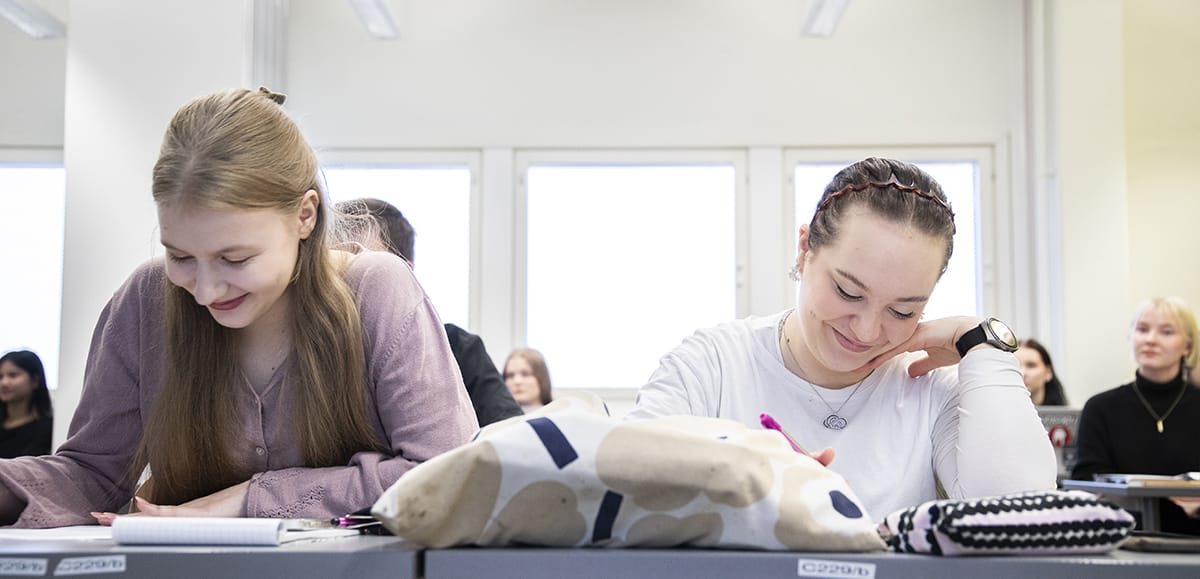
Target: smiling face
[(862, 294), (521, 382), (237, 263), (1159, 343), (16, 385)]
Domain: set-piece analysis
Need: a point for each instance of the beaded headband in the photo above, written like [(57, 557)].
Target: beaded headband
[(894, 184)]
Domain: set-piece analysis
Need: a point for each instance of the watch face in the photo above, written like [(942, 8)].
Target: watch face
[(1001, 332)]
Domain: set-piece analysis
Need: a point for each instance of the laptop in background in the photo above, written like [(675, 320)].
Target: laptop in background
[(1061, 424)]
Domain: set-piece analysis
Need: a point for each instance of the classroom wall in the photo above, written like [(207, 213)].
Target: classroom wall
[(691, 73), (1088, 134), (1162, 145), (130, 64), (34, 79)]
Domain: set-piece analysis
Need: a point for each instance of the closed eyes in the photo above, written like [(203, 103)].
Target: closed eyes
[(853, 298)]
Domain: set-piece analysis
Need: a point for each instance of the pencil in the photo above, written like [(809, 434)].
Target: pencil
[(770, 423)]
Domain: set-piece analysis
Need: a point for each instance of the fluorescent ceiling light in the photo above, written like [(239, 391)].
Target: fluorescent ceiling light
[(377, 18), (32, 19), (823, 17)]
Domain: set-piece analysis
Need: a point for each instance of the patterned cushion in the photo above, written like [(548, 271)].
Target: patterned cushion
[(570, 475), (1034, 523)]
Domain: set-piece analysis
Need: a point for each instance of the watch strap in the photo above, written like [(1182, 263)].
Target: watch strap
[(970, 339)]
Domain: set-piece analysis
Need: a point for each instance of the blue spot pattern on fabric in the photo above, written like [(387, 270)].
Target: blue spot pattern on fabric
[(606, 515), (554, 440), (845, 506)]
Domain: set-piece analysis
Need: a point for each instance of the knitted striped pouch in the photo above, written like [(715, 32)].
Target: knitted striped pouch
[(1033, 523)]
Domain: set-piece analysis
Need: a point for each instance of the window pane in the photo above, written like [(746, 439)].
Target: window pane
[(31, 235), (623, 262), (957, 293), (437, 202)]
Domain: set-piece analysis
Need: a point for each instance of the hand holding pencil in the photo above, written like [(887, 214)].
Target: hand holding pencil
[(824, 457)]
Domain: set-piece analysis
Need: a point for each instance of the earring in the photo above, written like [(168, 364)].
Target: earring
[(794, 273)]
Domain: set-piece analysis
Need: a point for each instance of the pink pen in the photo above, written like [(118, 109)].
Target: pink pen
[(770, 423)]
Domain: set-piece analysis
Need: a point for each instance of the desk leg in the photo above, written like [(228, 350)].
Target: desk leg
[(1149, 513)]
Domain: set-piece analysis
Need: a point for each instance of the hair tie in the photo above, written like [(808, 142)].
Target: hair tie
[(275, 96)]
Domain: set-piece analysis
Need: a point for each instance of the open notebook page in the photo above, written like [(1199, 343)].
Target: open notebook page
[(217, 531)]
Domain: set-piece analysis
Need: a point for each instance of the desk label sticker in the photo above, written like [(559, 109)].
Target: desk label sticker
[(22, 566), (90, 565), (834, 569)]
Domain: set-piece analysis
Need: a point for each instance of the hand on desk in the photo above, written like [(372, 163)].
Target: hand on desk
[(226, 503), (1190, 505)]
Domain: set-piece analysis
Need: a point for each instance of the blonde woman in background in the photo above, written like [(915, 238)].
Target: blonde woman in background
[(1150, 425)]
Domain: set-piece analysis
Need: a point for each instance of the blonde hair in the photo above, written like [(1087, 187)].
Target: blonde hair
[(1178, 310), (238, 150)]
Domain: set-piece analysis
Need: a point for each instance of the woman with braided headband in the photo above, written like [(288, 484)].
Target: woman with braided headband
[(914, 408)]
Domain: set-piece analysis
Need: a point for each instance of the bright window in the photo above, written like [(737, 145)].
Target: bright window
[(957, 293), (32, 205), (436, 200), (623, 262)]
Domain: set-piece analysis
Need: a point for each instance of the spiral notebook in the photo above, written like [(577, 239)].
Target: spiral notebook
[(221, 531)]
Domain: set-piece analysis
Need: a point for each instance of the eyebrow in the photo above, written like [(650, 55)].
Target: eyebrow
[(230, 249), (864, 287)]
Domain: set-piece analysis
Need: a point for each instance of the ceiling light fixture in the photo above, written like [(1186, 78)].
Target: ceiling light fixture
[(32, 19), (823, 17), (377, 18)]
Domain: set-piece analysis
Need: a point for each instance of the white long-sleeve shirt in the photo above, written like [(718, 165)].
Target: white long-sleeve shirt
[(973, 429)]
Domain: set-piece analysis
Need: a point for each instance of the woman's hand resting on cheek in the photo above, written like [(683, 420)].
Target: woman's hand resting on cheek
[(937, 339), (226, 503)]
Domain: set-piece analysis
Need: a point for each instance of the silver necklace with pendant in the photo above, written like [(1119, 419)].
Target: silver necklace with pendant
[(835, 420)]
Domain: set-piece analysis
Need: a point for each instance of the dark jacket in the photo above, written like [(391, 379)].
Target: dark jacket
[(485, 386)]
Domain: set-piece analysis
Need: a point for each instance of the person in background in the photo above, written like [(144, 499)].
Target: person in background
[(1038, 371), (836, 372), (527, 378), (257, 370), (1150, 425), (26, 415), (486, 388)]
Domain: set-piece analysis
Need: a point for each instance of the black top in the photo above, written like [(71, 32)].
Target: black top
[(490, 397), (32, 439), (1053, 395), (1118, 435)]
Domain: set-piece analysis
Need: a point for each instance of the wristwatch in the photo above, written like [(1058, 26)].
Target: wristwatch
[(990, 331)]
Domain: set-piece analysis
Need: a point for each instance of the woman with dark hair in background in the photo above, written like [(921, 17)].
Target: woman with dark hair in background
[(25, 412), (1038, 371), (527, 378)]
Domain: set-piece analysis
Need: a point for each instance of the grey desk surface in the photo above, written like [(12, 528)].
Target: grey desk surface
[(367, 557), (356, 557), (696, 564)]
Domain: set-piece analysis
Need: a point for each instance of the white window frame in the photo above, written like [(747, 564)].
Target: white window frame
[(995, 277), (471, 159), (42, 157), (524, 159)]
